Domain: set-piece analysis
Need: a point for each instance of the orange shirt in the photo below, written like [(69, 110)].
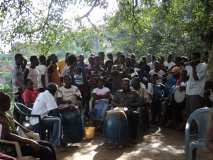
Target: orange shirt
[(61, 65), (54, 74)]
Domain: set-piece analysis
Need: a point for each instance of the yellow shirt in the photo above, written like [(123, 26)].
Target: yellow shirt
[(61, 65)]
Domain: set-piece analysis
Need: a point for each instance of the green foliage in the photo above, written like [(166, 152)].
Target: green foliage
[(145, 26)]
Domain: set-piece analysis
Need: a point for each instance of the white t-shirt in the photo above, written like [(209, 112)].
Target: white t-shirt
[(160, 74), (42, 69), (150, 88), (69, 94), (33, 75), (101, 91), (169, 65), (44, 103), (151, 65), (196, 87)]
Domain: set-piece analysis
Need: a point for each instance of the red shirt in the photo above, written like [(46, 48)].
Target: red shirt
[(29, 96)]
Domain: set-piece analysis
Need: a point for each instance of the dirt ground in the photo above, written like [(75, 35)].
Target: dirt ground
[(159, 144)]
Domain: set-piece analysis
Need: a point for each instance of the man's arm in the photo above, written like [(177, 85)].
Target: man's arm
[(195, 76), (8, 135)]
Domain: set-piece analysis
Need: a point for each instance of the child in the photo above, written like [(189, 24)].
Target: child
[(29, 95), (78, 76), (157, 94)]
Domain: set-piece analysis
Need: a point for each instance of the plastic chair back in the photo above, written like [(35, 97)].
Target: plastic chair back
[(13, 148), (201, 119)]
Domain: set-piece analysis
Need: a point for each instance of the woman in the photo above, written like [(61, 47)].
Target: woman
[(101, 97), (29, 147), (52, 70), (68, 94)]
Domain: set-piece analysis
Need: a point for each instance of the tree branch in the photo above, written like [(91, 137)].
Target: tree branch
[(91, 9), (93, 25)]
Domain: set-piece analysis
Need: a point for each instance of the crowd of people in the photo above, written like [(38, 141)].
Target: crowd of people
[(164, 90)]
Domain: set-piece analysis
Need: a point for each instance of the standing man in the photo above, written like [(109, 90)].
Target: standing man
[(169, 63), (196, 75), (158, 71), (33, 71), (18, 74), (42, 69)]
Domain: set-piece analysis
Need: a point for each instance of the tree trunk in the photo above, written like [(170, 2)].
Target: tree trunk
[(210, 65)]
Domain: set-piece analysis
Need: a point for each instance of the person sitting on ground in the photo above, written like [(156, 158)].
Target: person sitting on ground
[(44, 104), (29, 147), (68, 94), (29, 95), (101, 97)]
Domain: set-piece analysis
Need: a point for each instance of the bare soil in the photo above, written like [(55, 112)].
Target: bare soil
[(159, 144)]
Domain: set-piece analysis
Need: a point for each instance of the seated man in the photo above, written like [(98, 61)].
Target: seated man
[(127, 97), (101, 97), (44, 104), (8, 132), (29, 95)]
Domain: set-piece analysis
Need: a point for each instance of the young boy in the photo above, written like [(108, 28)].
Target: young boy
[(157, 94), (29, 95)]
